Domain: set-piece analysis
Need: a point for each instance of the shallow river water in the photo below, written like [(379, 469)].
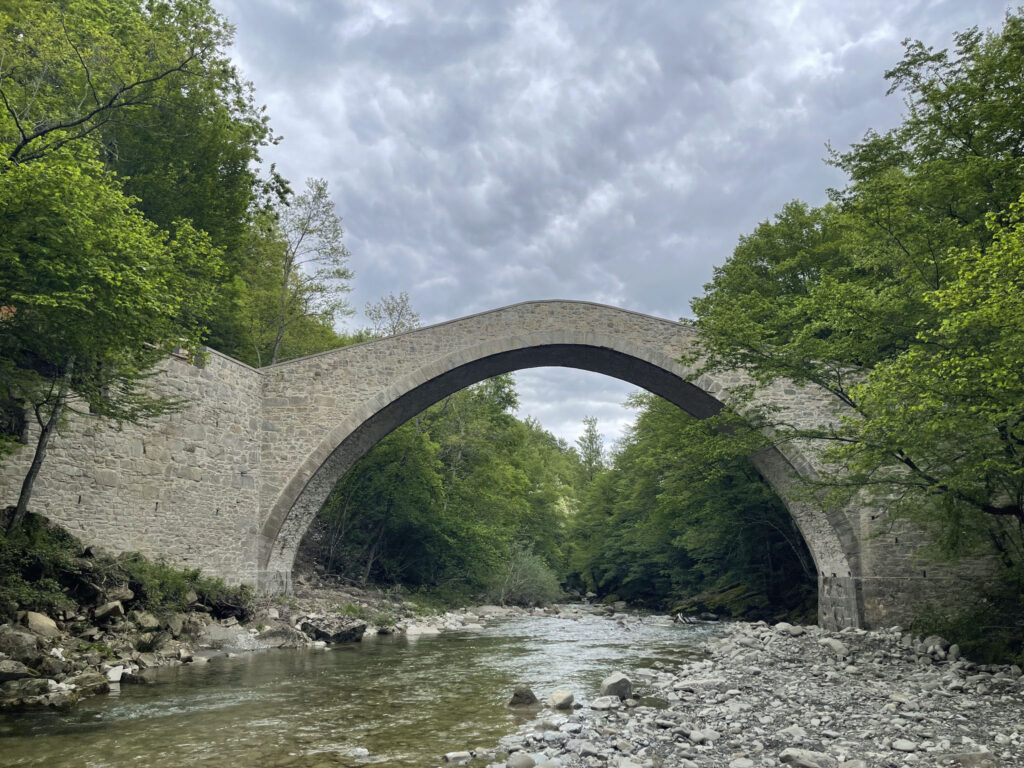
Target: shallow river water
[(406, 700)]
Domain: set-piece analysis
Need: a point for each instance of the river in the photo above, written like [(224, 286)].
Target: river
[(404, 701)]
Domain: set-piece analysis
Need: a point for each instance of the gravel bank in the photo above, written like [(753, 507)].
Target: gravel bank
[(793, 695)]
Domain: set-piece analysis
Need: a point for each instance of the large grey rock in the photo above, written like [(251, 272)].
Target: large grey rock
[(835, 646), (41, 624), (20, 644), (805, 758), (146, 620), (522, 696), (334, 629), (617, 684), (284, 637), (13, 670), (109, 610)]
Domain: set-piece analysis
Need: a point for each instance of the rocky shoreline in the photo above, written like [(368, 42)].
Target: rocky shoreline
[(49, 663), (763, 695), (789, 695)]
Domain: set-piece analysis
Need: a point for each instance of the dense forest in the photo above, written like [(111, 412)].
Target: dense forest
[(136, 217)]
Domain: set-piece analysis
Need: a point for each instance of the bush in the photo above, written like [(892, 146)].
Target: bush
[(35, 564), (41, 569), (524, 579)]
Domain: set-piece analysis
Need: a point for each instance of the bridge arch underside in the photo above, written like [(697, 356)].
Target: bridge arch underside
[(829, 535)]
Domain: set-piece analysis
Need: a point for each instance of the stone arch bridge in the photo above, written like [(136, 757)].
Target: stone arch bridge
[(231, 484)]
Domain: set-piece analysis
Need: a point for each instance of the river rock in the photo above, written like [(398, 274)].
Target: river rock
[(41, 624), (146, 620), (13, 670), (805, 758), (522, 696), (21, 645), (561, 699), (334, 629), (422, 629), (520, 760), (282, 637), (617, 684), (458, 758), (109, 610)]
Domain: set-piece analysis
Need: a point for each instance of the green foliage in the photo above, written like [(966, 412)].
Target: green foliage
[(681, 512), (524, 578), (34, 564), (164, 588), (42, 569), (439, 503), (902, 297), (989, 630)]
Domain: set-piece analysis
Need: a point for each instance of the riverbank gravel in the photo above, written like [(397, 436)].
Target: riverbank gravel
[(799, 696)]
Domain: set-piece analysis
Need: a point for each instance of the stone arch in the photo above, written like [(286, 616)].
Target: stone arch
[(434, 362)]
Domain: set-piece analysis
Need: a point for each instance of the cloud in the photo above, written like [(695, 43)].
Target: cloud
[(488, 153)]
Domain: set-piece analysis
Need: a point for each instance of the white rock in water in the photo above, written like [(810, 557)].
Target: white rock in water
[(458, 757), (904, 745), (114, 674), (561, 699), (422, 629)]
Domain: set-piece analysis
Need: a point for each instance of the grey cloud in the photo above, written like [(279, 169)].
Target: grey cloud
[(487, 153)]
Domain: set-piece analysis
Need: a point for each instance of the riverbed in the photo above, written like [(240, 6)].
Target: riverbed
[(390, 700)]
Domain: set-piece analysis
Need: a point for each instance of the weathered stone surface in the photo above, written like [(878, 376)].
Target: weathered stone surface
[(806, 758), (523, 696), (109, 610), (20, 645), (145, 620), (334, 629), (41, 624), (520, 760), (561, 699), (617, 684), (13, 670)]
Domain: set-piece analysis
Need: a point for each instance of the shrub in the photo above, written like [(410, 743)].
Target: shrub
[(524, 579)]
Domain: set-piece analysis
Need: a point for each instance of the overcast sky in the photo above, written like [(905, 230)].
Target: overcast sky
[(483, 153)]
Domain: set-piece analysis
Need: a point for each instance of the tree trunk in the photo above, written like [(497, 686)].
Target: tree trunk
[(49, 427)]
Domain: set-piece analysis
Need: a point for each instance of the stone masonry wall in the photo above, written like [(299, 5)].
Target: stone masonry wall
[(182, 486)]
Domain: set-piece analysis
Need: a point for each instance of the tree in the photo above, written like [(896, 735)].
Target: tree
[(391, 315), (682, 513), (591, 449), (94, 296), (312, 276), (944, 420), (846, 295)]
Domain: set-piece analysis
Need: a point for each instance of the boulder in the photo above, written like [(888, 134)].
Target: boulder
[(176, 624), (19, 644), (522, 696), (41, 624), (146, 620), (111, 610), (334, 629), (285, 637), (520, 760), (617, 684), (90, 683), (13, 670), (835, 646), (561, 699)]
